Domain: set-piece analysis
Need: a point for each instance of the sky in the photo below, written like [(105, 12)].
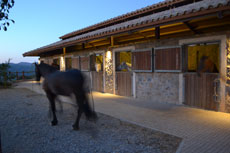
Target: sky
[(42, 22)]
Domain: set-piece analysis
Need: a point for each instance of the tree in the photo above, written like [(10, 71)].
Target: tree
[(5, 6)]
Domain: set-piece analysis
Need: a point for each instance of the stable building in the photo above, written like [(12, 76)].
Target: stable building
[(175, 51)]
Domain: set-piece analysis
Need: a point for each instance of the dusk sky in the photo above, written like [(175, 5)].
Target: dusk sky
[(39, 23)]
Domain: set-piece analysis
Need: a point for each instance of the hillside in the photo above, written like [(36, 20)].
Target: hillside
[(23, 66)]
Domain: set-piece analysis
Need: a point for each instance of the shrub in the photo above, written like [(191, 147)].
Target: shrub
[(5, 77)]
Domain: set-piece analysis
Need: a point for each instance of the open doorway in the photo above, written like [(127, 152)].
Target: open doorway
[(123, 83), (203, 58), (96, 68), (202, 66)]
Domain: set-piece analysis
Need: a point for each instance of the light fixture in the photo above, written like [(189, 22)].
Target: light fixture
[(109, 55)]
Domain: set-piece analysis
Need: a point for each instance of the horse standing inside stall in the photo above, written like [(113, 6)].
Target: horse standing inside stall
[(206, 65), (65, 84)]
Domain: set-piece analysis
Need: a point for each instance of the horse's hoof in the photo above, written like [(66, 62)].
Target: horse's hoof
[(53, 123), (75, 128)]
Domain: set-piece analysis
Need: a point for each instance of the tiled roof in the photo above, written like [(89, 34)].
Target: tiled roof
[(136, 13), (193, 9)]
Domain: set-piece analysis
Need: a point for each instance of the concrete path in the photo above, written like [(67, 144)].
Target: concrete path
[(202, 131)]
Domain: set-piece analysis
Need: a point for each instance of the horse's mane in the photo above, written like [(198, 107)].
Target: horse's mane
[(48, 67)]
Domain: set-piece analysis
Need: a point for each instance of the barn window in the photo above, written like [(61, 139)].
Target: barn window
[(76, 62), (84, 63), (123, 61), (68, 63), (96, 62), (142, 60), (168, 59)]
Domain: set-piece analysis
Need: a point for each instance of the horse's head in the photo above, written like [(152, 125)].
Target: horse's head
[(37, 72), (124, 66), (206, 65)]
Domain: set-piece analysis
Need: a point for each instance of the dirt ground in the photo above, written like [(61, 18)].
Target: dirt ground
[(25, 128)]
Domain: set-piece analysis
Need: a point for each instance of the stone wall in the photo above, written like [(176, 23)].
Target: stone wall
[(159, 87)]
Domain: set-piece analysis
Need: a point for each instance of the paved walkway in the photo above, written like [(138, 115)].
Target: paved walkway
[(202, 131)]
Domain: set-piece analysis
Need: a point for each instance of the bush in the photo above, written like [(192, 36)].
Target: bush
[(5, 77)]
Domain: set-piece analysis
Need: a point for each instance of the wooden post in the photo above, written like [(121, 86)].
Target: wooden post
[(83, 46), (64, 51), (157, 32), (23, 75), (112, 41)]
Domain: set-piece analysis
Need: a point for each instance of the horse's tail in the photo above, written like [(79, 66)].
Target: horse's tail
[(89, 112), (83, 103), (87, 109)]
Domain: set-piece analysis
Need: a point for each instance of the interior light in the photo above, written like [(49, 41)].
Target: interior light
[(109, 54)]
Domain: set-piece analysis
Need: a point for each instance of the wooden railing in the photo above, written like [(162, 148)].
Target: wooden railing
[(22, 75)]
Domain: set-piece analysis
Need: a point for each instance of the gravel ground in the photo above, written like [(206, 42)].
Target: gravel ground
[(25, 128)]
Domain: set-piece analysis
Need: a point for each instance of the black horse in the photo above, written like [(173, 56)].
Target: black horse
[(65, 83)]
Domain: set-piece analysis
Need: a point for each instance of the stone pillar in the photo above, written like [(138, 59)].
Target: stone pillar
[(227, 101), (62, 63), (109, 72)]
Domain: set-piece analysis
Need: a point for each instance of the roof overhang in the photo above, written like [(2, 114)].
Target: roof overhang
[(188, 13)]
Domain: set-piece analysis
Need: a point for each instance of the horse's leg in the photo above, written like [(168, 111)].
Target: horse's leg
[(79, 101), (51, 98), (76, 124), (60, 104)]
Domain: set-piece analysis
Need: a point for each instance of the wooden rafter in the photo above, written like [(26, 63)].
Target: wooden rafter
[(92, 45), (192, 28), (100, 43), (143, 35)]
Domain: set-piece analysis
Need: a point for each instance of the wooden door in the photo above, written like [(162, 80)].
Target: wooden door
[(97, 81), (201, 91), (124, 83)]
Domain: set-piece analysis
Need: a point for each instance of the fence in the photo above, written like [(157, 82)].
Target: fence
[(22, 75)]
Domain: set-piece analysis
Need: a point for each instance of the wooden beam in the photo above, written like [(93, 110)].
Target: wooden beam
[(143, 35), (216, 28), (75, 47), (92, 45), (64, 50), (112, 41), (157, 32), (217, 24), (191, 27)]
